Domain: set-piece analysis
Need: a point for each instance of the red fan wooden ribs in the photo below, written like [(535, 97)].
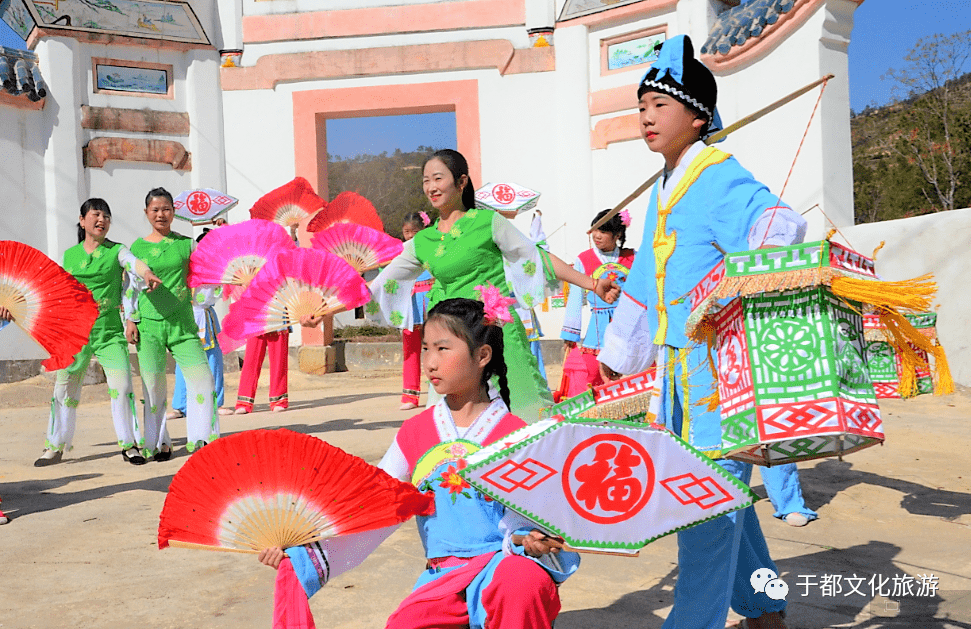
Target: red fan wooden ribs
[(265, 488), (361, 247), (289, 204), (46, 301), (347, 207)]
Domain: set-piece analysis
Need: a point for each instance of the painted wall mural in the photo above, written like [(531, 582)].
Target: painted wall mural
[(634, 52), (17, 17), (128, 79), (157, 19), (577, 8)]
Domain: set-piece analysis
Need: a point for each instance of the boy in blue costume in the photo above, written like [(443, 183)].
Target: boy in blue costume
[(704, 197)]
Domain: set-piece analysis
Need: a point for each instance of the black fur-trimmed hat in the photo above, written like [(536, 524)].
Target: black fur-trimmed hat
[(678, 73)]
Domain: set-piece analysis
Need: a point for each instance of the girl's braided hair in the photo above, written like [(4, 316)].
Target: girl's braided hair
[(614, 226), (465, 318)]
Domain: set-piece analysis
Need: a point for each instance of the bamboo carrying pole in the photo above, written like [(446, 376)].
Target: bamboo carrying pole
[(641, 189)]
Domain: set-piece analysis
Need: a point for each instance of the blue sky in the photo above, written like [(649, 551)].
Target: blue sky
[(349, 137), (884, 31)]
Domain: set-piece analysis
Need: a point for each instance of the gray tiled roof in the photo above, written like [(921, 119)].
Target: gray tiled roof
[(20, 74), (736, 25)]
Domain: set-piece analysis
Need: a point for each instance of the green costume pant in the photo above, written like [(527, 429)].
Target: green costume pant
[(113, 356), (179, 335)]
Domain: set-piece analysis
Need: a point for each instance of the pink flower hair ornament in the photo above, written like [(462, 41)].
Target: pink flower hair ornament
[(496, 306), (424, 219), (625, 218)]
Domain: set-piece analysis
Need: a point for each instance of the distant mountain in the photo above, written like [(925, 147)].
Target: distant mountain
[(887, 179)]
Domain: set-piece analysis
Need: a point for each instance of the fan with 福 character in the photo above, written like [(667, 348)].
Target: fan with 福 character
[(46, 301), (289, 204), (278, 488), (291, 285), (362, 247)]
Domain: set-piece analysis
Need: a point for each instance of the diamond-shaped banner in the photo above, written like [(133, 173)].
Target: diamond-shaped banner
[(605, 485), (506, 197), (203, 205)]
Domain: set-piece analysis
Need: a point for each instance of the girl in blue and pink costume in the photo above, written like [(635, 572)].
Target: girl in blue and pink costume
[(486, 565)]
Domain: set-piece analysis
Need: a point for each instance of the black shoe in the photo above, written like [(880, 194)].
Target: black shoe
[(163, 455), (134, 459), (45, 460)]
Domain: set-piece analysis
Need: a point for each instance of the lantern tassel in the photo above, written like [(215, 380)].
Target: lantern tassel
[(904, 339), (914, 294), (943, 382)]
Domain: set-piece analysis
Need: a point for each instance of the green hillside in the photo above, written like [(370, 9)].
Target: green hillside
[(890, 145)]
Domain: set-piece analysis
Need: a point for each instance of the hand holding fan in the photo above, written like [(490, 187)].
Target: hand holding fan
[(362, 247), (289, 204), (293, 284), (265, 488), (347, 207), (233, 254), (46, 301)]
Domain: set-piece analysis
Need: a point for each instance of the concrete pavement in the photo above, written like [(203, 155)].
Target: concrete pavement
[(81, 548)]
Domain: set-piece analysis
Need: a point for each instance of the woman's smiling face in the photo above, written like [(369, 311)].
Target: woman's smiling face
[(160, 214), (440, 187), (96, 223)]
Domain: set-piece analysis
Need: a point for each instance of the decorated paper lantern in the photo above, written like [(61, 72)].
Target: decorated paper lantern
[(626, 399), (885, 362), (792, 374)]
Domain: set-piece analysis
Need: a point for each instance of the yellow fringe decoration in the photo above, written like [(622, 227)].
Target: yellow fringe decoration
[(914, 294), (830, 233), (622, 409), (943, 383), (774, 282), (712, 400), (905, 339), (878, 248)]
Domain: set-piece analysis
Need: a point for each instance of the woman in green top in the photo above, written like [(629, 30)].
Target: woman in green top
[(162, 320), (467, 248), (100, 265)]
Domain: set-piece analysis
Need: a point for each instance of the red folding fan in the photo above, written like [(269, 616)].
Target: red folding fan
[(233, 254), (289, 204), (264, 488), (362, 247), (347, 207), (46, 301), (293, 284)]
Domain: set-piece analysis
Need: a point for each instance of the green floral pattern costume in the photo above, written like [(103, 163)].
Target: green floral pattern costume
[(482, 247), (102, 272), (166, 322)]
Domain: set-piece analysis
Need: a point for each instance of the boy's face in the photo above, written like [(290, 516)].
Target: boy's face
[(667, 125)]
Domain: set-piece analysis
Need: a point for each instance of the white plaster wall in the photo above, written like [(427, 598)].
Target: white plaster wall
[(23, 215), (767, 147), (22, 176), (124, 186), (259, 145), (936, 243)]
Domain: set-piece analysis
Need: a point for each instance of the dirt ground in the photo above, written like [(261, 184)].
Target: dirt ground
[(81, 548)]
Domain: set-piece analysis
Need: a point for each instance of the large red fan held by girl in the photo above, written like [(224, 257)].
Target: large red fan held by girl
[(46, 301), (278, 488)]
